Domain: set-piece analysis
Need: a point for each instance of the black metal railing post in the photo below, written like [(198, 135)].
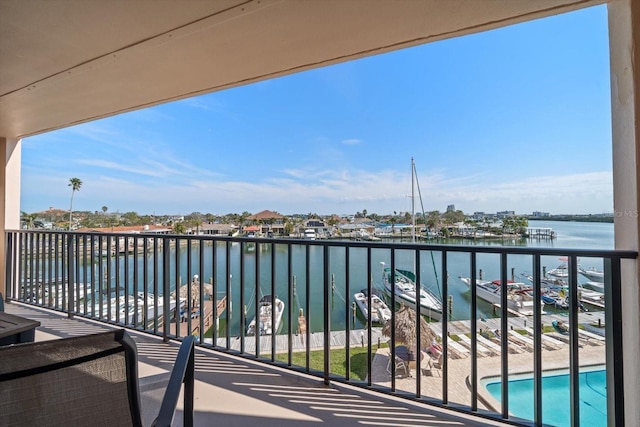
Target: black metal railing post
[(474, 327), (504, 326), (166, 278), (445, 330), (574, 362), (614, 342), (9, 266), (70, 274), (537, 341), (326, 313)]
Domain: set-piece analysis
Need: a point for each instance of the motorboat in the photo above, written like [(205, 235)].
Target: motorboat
[(594, 286), (139, 309), (380, 312), (561, 271), (310, 234), (593, 274), (270, 308), (410, 293), (519, 298)]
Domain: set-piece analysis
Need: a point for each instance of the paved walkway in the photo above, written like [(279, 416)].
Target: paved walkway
[(233, 391)]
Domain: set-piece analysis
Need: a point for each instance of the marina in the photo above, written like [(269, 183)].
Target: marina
[(121, 276)]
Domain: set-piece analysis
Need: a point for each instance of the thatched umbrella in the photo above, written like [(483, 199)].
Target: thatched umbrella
[(195, 289), (406, 329)]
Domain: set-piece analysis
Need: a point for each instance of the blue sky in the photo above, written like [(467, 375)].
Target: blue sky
[(511, 119)]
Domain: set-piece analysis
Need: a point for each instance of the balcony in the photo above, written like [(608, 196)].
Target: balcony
[(323, 345)]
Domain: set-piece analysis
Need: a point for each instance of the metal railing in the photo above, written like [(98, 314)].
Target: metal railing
[(175, 286)]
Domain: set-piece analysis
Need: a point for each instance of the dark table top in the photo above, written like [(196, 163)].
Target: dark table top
[(405, 354), (11, 324)]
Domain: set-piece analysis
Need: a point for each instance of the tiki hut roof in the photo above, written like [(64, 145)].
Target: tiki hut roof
[(406, 328)]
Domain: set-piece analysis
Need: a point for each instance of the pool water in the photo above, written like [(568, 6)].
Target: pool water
[(556, 409)]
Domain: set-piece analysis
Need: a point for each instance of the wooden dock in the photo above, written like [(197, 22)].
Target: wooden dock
[(208, 315)]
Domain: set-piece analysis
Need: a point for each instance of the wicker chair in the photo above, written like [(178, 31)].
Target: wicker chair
[(87, 380)]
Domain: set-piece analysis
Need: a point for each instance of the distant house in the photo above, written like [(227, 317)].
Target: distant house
[(315, 224), (218, 229), (268, 221), (251, 230)]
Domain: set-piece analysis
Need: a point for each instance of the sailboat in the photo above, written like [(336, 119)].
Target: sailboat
[(407, 289)]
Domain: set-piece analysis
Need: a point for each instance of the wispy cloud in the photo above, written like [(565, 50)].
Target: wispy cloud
[(326, 191), (105, 164), (352, 141)]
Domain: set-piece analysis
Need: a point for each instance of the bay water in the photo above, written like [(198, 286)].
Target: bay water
[(307, 275)]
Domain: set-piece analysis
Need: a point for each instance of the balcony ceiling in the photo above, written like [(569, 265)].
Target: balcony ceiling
[(64, 62)]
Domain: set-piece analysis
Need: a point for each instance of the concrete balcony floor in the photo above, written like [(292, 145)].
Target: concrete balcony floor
[(233, 391)]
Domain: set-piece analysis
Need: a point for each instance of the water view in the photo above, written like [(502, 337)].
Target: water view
[(307, 283)]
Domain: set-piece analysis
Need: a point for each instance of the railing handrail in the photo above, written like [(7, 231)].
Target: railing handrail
[(440, 247)]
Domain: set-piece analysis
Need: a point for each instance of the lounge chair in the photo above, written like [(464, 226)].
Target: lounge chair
[(482, 351), (549, 342), (434, 364), (521, 339), (595, 339), (84, 380), (495, 348), (400, 365), (458, 349)]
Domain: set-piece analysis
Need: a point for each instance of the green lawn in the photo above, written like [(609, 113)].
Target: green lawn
[(338, 365)]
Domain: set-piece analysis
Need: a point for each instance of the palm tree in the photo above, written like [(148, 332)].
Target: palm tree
[(28, 219), (179, 228), (75, 184), (242, 218)]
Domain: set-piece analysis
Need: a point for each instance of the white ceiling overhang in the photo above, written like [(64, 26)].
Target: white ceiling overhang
[(64, 62)]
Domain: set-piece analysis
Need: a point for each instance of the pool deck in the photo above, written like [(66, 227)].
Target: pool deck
[(591, 352)]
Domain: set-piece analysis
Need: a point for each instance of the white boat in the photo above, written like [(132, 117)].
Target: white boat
[(561, 271), (310, 234), (363, 234), (594, 286), (266, 307), (380, 312), (56, 293), (131, 309), (411, 294), (519, 298), (591, 297), (592, 274)]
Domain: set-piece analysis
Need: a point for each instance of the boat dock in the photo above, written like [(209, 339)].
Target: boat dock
[(209, 316), (541, 233)]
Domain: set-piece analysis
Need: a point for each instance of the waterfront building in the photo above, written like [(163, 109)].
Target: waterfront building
[(268, 222), (538, 214), (505, 214)]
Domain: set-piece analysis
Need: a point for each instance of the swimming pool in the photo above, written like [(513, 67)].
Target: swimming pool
[(556, 409)]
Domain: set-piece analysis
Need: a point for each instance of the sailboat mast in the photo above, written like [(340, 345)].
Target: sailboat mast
[(413, 202)]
